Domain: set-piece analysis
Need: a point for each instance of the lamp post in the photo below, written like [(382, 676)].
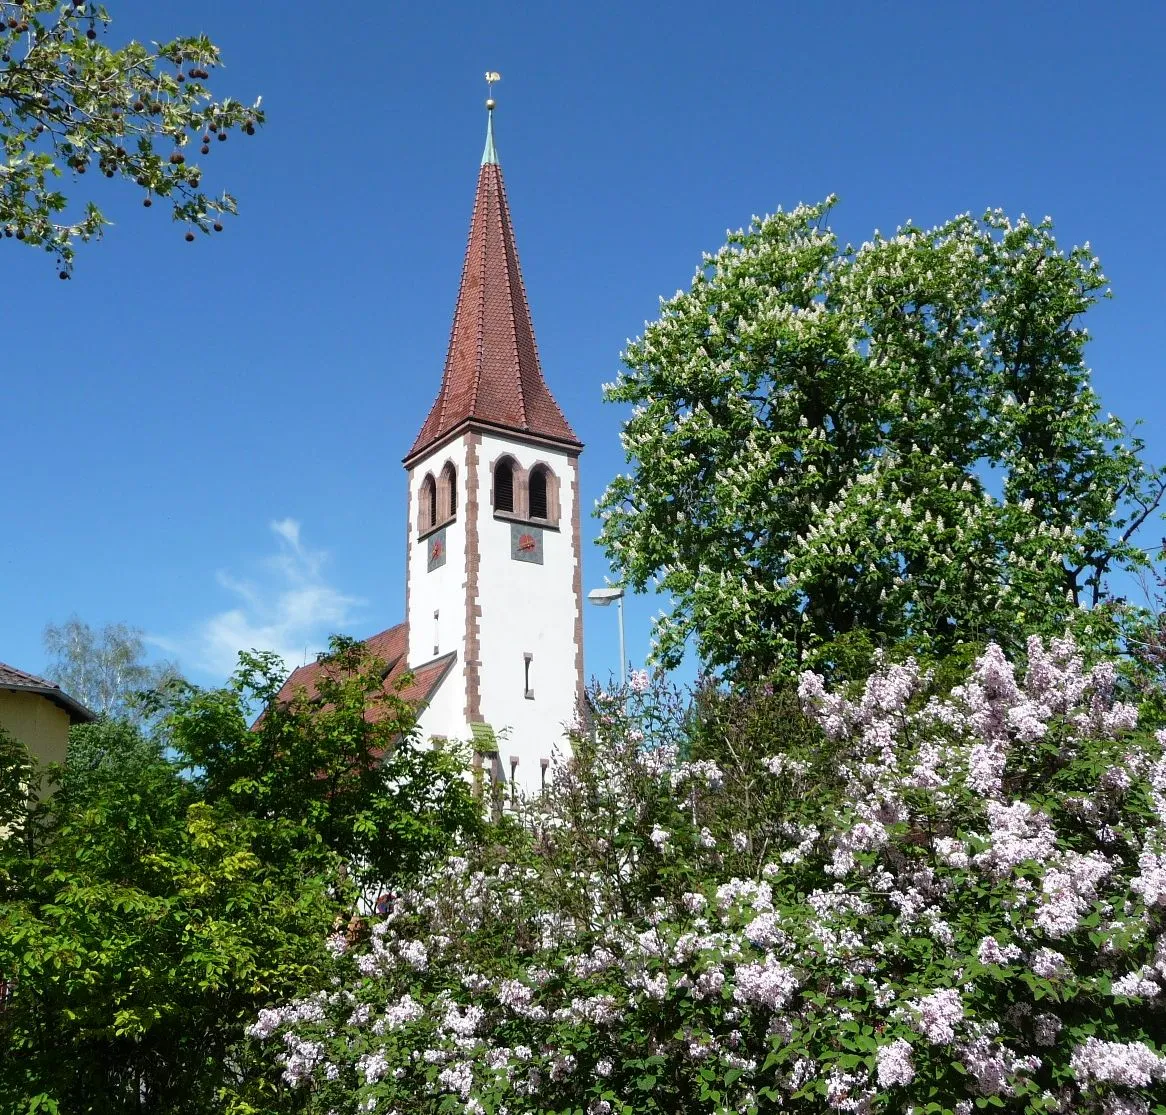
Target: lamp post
[(602, 597)]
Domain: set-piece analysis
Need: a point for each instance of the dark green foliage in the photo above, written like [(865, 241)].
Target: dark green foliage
[(159, 898), (341, 762), (141, 928), (108, 747)]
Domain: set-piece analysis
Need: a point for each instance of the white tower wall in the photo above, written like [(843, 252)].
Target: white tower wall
[(528, 609), (440, 590)]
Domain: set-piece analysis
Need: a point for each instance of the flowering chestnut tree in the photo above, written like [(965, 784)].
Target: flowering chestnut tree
[(69, 103), (898, 439), (974, 919)]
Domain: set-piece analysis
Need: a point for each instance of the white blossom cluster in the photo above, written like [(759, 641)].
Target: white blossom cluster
[(899, 437)]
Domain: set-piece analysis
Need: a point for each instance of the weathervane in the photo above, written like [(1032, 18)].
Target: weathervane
[(491, 77)]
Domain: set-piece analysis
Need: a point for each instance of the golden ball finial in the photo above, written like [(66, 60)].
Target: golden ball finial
[(490, 103)]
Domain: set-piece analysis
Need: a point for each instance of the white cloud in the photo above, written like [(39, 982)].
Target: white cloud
[(286, 606)]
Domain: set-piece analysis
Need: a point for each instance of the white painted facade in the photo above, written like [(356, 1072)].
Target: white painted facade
[(526, 608)]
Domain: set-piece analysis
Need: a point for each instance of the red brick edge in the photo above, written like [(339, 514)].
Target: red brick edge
[(577, 581), (408, 554), (471, 670)]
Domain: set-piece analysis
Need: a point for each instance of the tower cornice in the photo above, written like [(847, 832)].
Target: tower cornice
[(478, 425)]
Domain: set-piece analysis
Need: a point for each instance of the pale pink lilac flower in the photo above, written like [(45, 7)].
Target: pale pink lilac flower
[(694, 903), (458, 1077), (1150, 881), (768, 983), (372, 1066), (415, 955), (704, 771), (1018, 834), (993, 1065), (1068, 890), (894, 1064), (992, 952), (937, 1014), (1048, 963), (849, 1091), (300, 1060), (1124, 1105), (1137, 985), (1133, 1064)]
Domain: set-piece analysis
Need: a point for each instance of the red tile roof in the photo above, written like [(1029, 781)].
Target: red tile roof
[(19, 681), (492, 371), (391, 647)]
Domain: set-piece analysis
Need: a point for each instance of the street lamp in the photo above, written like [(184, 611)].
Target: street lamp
[(603, 597)]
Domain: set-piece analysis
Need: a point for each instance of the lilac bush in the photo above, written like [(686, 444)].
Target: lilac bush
[(975, 920)]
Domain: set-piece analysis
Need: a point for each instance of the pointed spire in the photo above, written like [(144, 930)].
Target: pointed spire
[(490, 154), (492, 373)]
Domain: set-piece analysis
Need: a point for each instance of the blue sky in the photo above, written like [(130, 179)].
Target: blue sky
[(205, 440)]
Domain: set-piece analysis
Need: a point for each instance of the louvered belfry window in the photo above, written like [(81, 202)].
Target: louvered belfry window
[(538, 494), (504, 487), (428, 503), (448, 492)]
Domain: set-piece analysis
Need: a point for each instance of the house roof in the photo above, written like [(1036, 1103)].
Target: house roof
[(18, 681), (492, 373), (391, 646)]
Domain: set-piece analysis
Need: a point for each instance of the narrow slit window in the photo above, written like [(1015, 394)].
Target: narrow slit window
[(527, 691)]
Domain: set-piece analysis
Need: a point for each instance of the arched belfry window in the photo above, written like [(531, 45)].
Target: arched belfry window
[(428, 516), (504, 485), (537, 493), (447, 492)]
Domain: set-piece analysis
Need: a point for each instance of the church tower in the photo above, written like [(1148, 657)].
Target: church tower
[(494, 553)]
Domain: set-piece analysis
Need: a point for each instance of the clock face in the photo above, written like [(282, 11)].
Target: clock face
[(526, 543), (435, 550)]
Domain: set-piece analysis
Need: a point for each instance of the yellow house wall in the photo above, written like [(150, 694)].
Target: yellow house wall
[(37, 723)]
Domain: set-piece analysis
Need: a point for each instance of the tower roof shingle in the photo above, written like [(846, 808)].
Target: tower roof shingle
[(492, 373)]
